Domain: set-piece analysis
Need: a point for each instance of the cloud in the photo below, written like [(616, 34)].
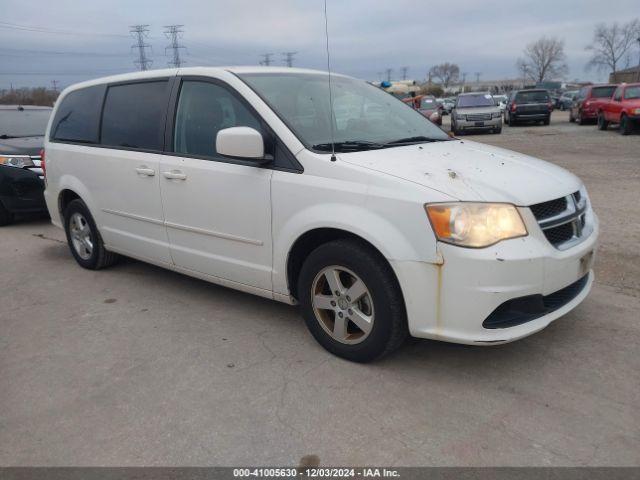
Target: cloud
[(366, 37)]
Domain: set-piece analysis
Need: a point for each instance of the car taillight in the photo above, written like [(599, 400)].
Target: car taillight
[(550, 105), (43, 164), (513, 107)]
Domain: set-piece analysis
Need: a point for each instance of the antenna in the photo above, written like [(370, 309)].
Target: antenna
[(326, 34)]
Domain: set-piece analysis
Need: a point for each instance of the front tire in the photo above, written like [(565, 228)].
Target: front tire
[(351, 301), (84, 239), (625, 125)]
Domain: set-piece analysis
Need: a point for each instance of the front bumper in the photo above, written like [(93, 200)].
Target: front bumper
[(450, 301), (491, 124), (21, 190)]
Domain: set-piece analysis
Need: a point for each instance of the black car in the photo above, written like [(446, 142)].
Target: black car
[(529, 105), (21, 176)]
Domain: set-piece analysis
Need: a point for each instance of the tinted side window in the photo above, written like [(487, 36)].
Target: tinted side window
[(603, 92), (78, 116), (204, 109), (134, 114)]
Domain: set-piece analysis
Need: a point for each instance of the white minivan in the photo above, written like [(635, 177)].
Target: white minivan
[(229, 175)]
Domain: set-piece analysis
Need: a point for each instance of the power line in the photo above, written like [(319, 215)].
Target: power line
[(288, 58), (173, 32), (266, 59), (18, 52), (139, 32), (38, 29)]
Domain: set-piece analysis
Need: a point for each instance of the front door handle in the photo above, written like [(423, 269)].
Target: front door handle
[(143, 170), (175, 175)]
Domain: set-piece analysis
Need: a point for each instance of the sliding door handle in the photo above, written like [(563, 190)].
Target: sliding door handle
[(175, 175), (143, 170)]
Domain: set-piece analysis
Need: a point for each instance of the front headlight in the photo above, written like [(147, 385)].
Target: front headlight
[(496, 114), (475, 225), (637, 111), (460, 117), (19, 161)]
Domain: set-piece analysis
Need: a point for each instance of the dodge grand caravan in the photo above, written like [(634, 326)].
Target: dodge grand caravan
[(368, 216)]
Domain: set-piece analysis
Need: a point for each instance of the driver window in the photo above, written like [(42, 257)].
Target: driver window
[(203, 110)]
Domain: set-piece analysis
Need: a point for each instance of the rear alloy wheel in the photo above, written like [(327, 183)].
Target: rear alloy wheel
[(84, 239), (602, 123), (351, 301), (579, 119), (5, 216), (625, 125)]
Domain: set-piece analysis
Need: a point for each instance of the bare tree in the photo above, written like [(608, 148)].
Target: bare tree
[(543, 60), (611, 44), (446, 73)]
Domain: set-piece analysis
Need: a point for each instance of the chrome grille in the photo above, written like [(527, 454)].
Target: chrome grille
[(475, 117), (562, 220), (37, 168)]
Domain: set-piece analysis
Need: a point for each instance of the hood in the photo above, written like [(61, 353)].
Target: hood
[(634, 103), (471, 171), (21, 146), (479, 110)]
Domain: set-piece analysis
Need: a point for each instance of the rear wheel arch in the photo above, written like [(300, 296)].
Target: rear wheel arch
[(65, 197)]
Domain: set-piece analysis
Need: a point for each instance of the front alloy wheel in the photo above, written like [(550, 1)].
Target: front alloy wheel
[(342, 304)]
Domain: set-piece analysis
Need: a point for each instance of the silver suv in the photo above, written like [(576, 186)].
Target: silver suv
[(476, 111)]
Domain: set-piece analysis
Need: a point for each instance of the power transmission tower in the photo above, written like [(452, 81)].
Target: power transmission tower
[(404, 72), (173, 32), (54, 85), (464, 78), (266, 59), (478, 76), (288, 58), (139, 33), (388, 71)]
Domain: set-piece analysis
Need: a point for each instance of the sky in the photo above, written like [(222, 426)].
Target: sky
[(70, 41)]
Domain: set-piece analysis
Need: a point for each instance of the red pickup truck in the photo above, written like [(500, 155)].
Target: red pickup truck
[(622, 108)]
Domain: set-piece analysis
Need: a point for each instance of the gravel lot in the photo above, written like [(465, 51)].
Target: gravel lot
[(140, 366)]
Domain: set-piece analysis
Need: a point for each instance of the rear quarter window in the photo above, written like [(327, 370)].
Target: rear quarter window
[(134, 114), (602, 92), (77, 118)]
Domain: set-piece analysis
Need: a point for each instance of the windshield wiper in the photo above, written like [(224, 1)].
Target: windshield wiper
[(349, 146), (412, 140)]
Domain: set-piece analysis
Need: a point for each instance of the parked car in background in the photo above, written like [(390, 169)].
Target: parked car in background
[(21, 178), (378, 227), (475, 111), (622, 108), (501, 101), (430, 108), (448, 104), (528, 105), (566, 100), (427, 105), (587, 104)]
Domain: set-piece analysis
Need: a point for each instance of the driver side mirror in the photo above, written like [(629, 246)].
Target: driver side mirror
[(242, 143)]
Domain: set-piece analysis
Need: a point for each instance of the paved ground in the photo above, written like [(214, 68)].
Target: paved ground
[(140, 366)]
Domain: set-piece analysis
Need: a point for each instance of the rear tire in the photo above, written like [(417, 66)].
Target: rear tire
[(625, 125), (547, 120), (84, 239), (571, 118), (5, 216), (602, 123), (384, 307)]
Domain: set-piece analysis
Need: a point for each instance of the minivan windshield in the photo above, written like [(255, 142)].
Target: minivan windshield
[(364, 117), (480, 100), (23, 122)]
